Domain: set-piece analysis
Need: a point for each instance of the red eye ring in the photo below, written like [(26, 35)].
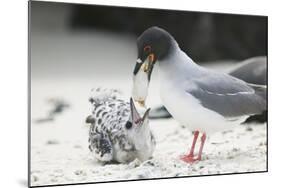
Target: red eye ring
[(147, 48)]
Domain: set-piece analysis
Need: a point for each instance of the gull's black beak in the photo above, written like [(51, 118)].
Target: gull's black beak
[(138, 65), (142, 74), (146, 66)]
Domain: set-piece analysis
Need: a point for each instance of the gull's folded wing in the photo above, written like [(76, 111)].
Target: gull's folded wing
[(227, 95)]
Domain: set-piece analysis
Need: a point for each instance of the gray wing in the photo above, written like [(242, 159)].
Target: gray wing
[(227, 95)]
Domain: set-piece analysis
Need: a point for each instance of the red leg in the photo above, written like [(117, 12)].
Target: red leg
[(189, 158), (203, 138)]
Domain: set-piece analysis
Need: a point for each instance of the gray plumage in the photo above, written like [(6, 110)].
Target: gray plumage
[(252, 70), (229, 96), (112, 135)]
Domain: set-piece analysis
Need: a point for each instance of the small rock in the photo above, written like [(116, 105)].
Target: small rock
[(95, 171), (249, 128), (34, 178), (52, 142), (148, 163), (230, 157), (78, 172), (193, 169), (141, 176), (228, 131)]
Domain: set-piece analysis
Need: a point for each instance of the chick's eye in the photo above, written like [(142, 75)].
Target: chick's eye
[(147, 48), (128, 125)]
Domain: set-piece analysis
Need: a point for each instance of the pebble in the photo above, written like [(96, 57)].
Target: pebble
[(249, 129), (78, 172), (52, 142), (148, 163), (34, 178)]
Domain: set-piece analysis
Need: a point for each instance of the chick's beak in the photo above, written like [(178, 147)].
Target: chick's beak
[(146, 114), (134, 113)]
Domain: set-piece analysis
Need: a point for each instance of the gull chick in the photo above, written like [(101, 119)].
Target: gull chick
[(119, 132)]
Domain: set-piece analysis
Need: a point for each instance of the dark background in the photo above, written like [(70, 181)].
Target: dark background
[(204, 36)]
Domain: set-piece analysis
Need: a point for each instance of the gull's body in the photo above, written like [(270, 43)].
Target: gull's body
[(252, 70), (183, 96), (201, 99)]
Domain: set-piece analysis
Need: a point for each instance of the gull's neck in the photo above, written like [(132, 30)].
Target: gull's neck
[(177, 65)]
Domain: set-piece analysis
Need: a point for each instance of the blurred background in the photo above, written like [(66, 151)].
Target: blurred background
[(205, 36), (82, 34)]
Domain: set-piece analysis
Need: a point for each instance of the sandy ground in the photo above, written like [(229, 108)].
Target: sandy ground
[(60, 155)]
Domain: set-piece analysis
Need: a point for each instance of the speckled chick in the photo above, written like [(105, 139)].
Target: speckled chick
[(119, 131)]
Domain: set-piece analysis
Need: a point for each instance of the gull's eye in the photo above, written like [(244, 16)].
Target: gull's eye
[(128, 125), (147, 48)]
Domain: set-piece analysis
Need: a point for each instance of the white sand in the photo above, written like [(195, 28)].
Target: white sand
[(60, 155)]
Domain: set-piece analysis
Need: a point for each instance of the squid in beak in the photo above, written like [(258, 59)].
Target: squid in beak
[(141, 78), (136, 118)]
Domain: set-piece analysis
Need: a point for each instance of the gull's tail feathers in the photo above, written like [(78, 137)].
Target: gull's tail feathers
[(260, 90)]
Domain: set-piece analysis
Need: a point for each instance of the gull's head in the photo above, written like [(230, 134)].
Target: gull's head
[(137, 126), (154, 44)]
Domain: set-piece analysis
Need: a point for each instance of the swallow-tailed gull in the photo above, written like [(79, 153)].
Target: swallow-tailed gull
[(203, 100)]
